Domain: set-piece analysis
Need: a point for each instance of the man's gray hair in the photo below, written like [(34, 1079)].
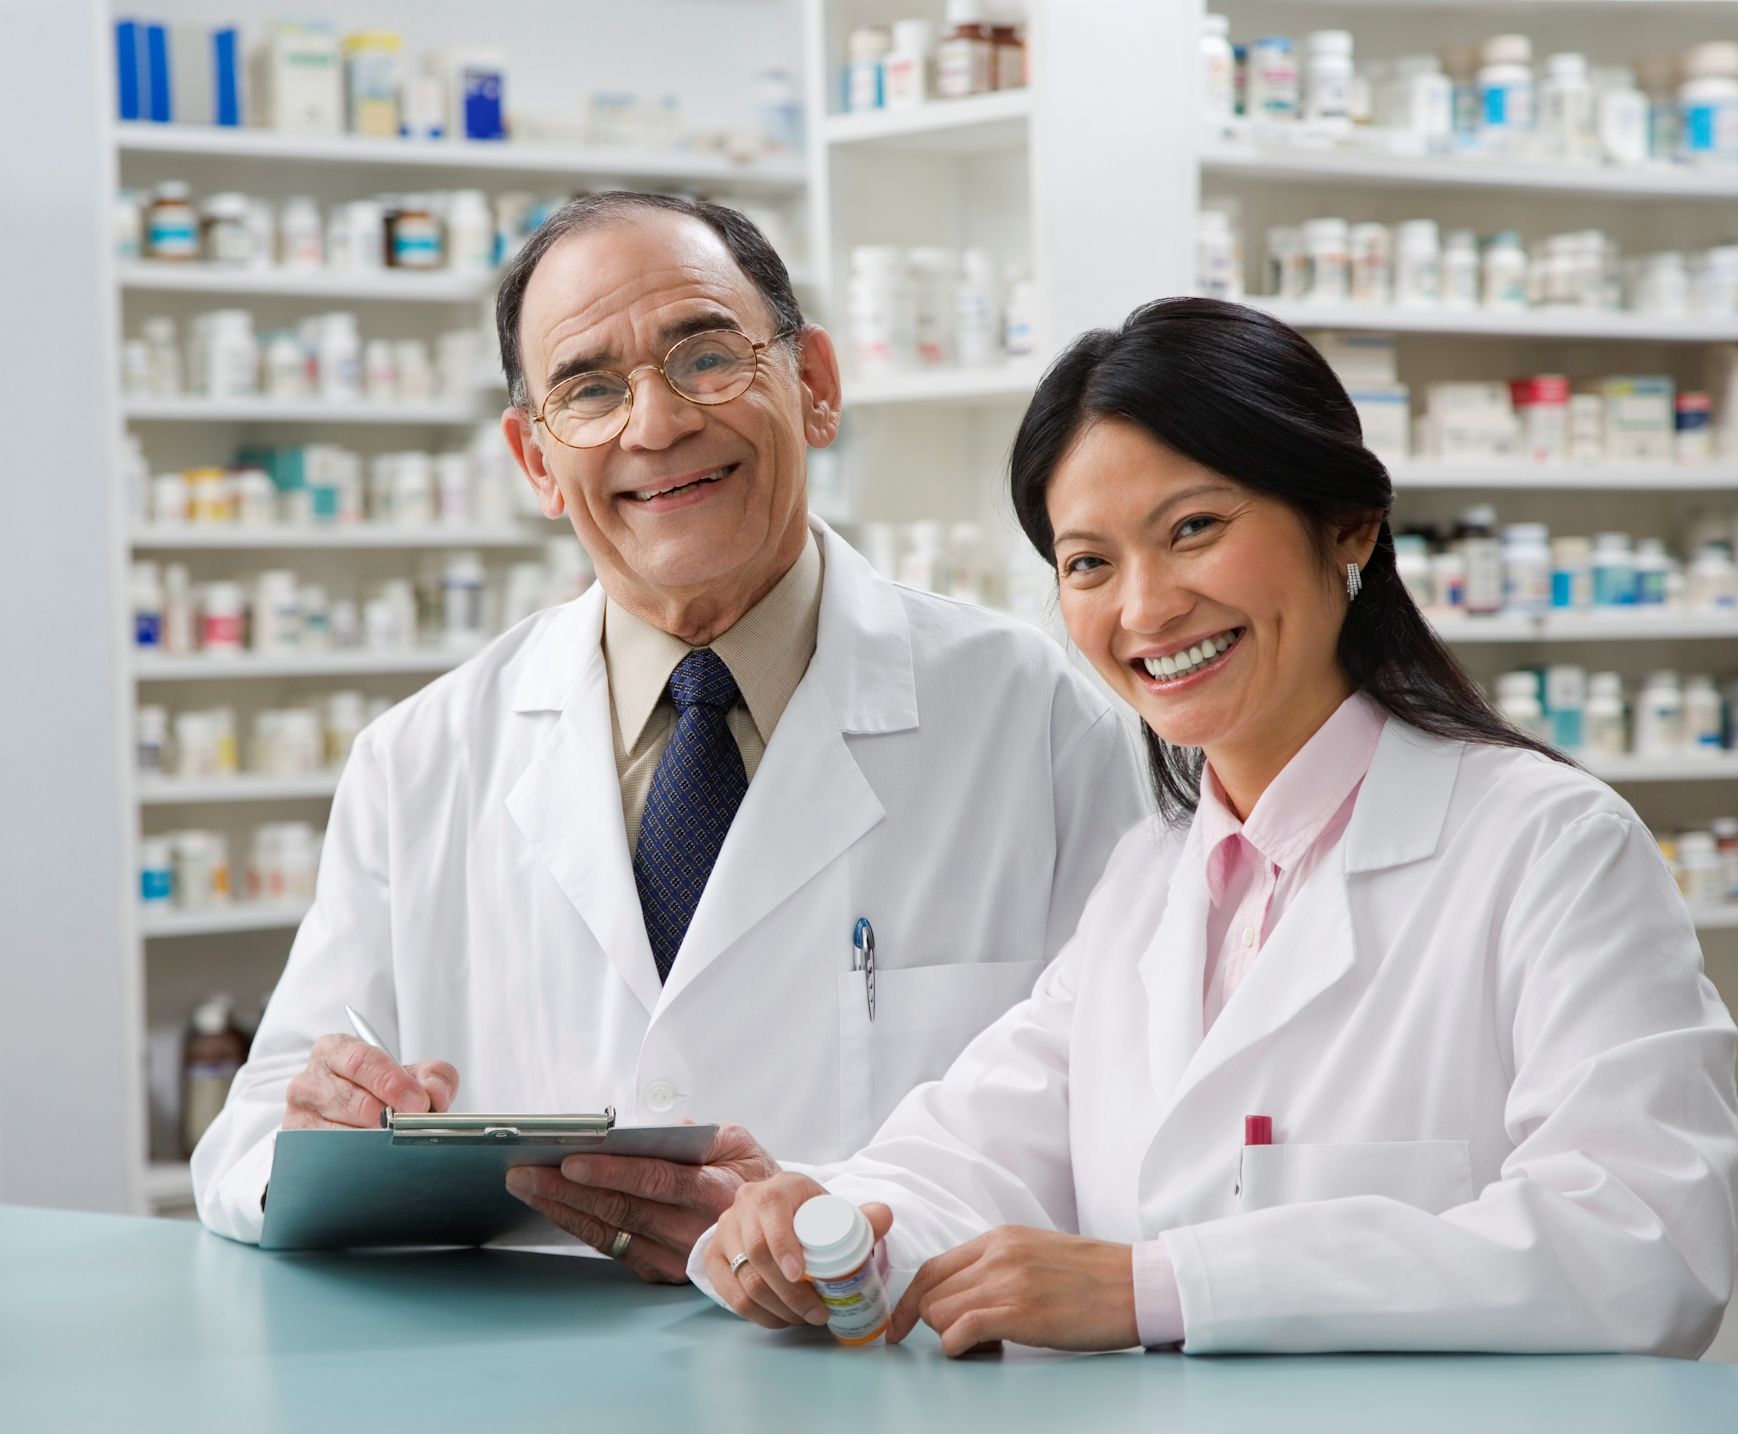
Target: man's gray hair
[(747, 245)]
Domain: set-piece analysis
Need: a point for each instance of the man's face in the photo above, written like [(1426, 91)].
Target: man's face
[(689, 502)]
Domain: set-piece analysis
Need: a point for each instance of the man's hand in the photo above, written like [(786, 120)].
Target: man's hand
[(664, 1206), (1033, 1287), (347, 1083), (768, 1287)]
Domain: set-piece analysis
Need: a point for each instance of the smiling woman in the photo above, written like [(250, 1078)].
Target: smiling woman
[(1222, 439)]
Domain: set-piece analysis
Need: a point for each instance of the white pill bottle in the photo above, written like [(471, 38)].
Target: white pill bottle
[(847, 1266)]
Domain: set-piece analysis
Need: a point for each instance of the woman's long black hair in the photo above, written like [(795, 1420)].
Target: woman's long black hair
[(1248, 397)]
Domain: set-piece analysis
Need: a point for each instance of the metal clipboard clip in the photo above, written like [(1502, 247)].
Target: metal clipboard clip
[(452, 1129)]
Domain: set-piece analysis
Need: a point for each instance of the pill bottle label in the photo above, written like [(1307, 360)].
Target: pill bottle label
[(857, 1308)]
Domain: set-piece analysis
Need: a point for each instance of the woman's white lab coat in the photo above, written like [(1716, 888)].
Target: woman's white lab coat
[(1501, 1087)]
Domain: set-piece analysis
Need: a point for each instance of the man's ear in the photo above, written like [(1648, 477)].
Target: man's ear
[(818, 374), (522, 439)]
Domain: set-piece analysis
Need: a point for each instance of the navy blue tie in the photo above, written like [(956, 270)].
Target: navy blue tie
[(696, 789)]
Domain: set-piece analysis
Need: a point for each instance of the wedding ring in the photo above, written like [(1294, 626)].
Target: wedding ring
[(619, 1245), (738, 1262)]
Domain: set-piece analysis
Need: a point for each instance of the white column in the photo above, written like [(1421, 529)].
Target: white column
[(70, 1092)]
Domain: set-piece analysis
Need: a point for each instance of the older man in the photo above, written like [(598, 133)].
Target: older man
[(622, 856)]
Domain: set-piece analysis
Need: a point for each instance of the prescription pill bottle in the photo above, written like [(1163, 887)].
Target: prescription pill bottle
[(847, 1266)]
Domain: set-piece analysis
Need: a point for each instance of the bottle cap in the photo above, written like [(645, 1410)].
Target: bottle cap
[(1507, 50), (1258, 1130)]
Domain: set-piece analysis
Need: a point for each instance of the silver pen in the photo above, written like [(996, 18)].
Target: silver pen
[(368, 1033)]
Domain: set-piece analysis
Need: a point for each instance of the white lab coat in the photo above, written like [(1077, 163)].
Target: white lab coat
[(1501, 1088), (939, 769)]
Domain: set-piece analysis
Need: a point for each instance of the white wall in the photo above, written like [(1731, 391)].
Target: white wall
[(66, 1022)]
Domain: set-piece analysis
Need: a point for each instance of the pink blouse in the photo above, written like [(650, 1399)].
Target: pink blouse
[(1253, 869)]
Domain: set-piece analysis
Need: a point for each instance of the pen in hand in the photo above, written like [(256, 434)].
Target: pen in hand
[(367, 1033)]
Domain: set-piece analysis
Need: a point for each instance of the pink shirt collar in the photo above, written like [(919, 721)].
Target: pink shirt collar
[(1302, 800)]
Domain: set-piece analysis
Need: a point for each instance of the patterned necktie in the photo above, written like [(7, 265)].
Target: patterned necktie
[(696, 789)]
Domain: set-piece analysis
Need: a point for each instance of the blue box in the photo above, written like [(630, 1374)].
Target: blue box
[(159, 104), (129, 70), (226, 77), (482, 103)]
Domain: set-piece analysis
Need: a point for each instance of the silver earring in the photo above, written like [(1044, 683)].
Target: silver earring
[(1354, 581)]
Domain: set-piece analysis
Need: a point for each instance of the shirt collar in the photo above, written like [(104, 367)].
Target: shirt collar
[(1301, 801), (767, 651)]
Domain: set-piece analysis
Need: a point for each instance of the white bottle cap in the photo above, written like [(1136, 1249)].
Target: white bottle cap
[(1714, 59), (912, 37), (835, 1235), (1216, 25), (1567, 66), (1507, 50), (1331, 42)]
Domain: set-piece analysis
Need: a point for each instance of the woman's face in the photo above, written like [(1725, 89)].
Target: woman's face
[(1206, 606)]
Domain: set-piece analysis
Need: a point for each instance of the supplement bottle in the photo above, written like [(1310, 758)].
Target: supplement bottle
[(1505, 82), (1328, 99), (1566, 109), (1702, 873), (1659, 717), (1460, 270), (867, 48), (213, 1052), (965, 60), (1620, 117), (1326, 245), (847, 1266), (1704, 715), (1613, 571), (1518, 702), (906, 77), (1417, 264), (1526, 568), (1218, 69), (1652, 565), (1372, 257), (1607, 723), (1008, 46), (171, 223), (1566, 706), (1272, 88), (1476, 537), (1708, 100), (301, 236)]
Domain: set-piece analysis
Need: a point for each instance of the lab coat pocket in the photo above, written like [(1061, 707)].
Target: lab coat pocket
[(856, 1088), (1433, 1175)]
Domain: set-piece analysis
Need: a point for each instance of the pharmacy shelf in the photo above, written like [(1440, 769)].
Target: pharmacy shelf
[(440, 287), (167, 1185), (1530, 323), (1585, 627), (975, 125), (265, 410), (1412, 171), (235, 787), (1706, 767), (224, 920), (1715, 918), (1007, 384), (193, 668), (361, 537), (1708, 8), (563, 166), (1423, 475)]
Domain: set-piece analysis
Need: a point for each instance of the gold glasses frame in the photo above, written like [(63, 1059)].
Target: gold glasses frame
[(626, 411)]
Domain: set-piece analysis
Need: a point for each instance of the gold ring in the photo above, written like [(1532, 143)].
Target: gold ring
[(619, 1245)]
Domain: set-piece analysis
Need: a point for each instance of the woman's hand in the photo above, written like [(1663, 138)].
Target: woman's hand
[(768, 1287), (1033, 1287)]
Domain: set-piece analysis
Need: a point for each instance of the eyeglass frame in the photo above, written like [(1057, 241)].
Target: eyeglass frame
[(627, 405)]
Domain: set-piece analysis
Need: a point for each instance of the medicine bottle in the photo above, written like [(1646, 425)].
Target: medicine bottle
[(178, 634), (339, 350), (1526, 568), (965, 60), (1652, 564), (1412, 563), (171, 223), (146, 591), (1518, 701), (1709, 102), (151, 742), (413, 235), (1460, 270), (1571, 573), (301, 237), (1712, 581), (1020, 318), (1417, 264), (1693, 418), (865, 49), (1272, 85), (847, 1266), (1620, 116), (470, 232), (221, 619), (933, 280), (1613, 571), (1421, 101), (1505, 81), (1218, 70), (1476, 537), (1328, 98), (1008, 41), (1372, 264), (1704, 714), (1215, 256), (165, 356), (1566, 706), (156, 871), (907, 77), (213, 1052), (1702, 873), (1326, 244), (226, 234), (1725, 830), (1607, 723), (1566, 109), (1659, 717), (462, 599), (977, 320)]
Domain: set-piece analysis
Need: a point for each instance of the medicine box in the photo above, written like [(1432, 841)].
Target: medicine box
[(207, 82), (1360, 360), (1638, 419), (298, 81), (1385, 413), (479, 94)]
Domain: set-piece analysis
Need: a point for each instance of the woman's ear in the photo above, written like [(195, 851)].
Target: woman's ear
[(1356, 541)]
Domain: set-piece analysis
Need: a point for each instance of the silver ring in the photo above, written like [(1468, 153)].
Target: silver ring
[(619, 1245), (738, 1262)]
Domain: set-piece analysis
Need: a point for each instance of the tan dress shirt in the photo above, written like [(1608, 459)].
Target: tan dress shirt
[(767, 652)]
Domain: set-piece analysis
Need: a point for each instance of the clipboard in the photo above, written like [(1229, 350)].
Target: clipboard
[(438, 1179)]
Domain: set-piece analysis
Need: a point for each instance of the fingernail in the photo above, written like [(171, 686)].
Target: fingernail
[(816, 1317), (792, 1267), (576, 1168)]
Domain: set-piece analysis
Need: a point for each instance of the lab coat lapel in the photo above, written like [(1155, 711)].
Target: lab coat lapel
[(568, 800), (809, 801), (1173, 970)]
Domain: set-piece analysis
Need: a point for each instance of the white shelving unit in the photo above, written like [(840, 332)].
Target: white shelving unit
[(1419, 476), (180, 953), (1527, 324)]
